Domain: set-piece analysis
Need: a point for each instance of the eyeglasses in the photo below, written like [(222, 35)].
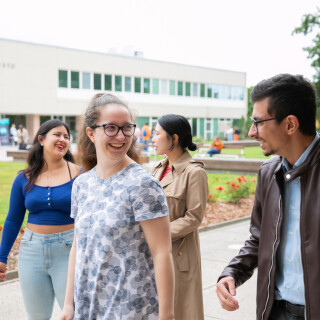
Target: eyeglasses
[(256, 122), (111, 130)]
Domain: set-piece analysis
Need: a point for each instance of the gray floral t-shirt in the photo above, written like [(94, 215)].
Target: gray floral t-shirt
[(114, 277)]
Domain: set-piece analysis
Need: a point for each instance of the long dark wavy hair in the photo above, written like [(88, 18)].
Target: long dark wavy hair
[(87, 149), (36, 161)]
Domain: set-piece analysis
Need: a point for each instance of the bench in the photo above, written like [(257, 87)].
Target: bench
[(18, 154), (242, 165), (227, 145)]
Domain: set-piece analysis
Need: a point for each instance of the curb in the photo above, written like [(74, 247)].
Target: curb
[(223, 224), (13, 275), (10, 276)]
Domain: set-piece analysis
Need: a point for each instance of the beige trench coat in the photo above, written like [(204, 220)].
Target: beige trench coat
[(186, 190)]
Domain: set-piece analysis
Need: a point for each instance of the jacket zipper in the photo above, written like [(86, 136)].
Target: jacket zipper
[(274, 244)]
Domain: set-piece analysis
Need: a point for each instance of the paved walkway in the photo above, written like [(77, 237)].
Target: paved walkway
[(218, 246)]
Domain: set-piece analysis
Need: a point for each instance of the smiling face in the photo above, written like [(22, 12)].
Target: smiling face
[(271, 135), (56, 142), (161, 141), (114, 148)]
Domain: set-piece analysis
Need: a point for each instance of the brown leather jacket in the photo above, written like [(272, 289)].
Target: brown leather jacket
[(261, 249)]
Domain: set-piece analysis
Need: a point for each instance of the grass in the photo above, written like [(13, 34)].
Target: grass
[(8, 172)]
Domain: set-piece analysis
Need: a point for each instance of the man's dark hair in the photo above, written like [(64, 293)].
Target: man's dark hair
[(289, 95)]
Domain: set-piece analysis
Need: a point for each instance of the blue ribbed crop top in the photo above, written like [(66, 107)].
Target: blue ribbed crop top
[(46, 206)]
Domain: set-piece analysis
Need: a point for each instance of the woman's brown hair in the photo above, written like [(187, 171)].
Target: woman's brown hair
[(87, 150)]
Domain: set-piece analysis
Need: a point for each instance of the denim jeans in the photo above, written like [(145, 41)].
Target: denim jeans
[(43, 268), (281, 311)]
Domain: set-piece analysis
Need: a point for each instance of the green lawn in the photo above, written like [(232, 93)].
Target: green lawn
[(8, 171)]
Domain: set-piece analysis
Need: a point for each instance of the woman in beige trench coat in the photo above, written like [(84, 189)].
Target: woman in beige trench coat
[(186, 188)]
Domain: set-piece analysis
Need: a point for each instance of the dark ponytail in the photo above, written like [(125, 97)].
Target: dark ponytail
[(179, 125)]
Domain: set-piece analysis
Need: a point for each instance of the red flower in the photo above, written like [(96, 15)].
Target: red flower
[(239, 179), (244, 180), (220, 189), (209, 196), (0, 228), (254, 180), (228, 182), (22, 231), (233, 185), (237, 186)]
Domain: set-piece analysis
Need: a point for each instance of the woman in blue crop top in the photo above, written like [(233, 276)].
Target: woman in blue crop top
[(44, 189)]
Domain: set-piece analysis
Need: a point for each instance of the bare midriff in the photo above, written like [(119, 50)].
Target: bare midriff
[(43, 229)]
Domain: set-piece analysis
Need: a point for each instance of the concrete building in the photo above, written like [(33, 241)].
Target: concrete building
[(39, 82)]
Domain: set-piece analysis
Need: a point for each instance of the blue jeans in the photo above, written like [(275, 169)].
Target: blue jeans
[(213, 151), (145, 143), (43, 268)]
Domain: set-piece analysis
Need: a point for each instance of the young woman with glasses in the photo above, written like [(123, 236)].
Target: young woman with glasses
[(120, 263)]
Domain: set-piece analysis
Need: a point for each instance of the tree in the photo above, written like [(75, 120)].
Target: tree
[(246, 122), (311, 23)]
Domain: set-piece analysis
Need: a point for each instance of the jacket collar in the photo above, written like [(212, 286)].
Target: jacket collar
[(313, 158)]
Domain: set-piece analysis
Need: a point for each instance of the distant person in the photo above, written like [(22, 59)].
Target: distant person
[(44, 189), (137, 134), (216, 146), (13, 135), (284, 231), (153, 131), (145, 134), (236, 134), (185, 184), (23, 137), (229, 133)]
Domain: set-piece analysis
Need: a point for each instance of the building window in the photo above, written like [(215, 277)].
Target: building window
[(195, 89), (228, 92), (155, 86), (63, 79), (137, 85), (222, 92), (164, 87), (202, 90), (118, 83), (97, 81), (187, 89), (216, 92), (86, 80), (146, 85), (127, 84), (180, 88), (108, 82), (172, 87), (75, 81), (209, 90)]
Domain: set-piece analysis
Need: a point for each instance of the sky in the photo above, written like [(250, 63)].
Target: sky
[(251, 36)]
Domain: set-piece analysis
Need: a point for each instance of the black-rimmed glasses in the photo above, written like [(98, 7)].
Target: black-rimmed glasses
[(256, 122), (111, 130)]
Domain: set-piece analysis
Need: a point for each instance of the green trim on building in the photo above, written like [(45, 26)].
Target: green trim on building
[(215, 127), (141, 121), (201, 127)]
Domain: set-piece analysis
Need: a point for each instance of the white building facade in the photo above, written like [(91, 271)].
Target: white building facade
[(39, 82)]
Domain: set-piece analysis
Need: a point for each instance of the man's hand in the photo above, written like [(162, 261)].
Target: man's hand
[(3, 271), (226, 290)]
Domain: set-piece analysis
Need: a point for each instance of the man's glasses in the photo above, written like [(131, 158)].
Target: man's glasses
[(111, 130), (256, 122)]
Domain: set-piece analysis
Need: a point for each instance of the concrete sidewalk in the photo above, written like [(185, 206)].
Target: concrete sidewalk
[(218, 246)]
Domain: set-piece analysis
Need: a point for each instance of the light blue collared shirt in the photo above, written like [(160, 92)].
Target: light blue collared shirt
[(289, 274)]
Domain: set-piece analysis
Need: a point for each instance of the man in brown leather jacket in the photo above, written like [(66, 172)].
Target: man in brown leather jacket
[(285, 223)]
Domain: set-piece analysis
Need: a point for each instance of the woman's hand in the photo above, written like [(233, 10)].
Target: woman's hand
[(3, 271), (67, 312)]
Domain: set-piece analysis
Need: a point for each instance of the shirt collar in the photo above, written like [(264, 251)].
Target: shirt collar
[(303, 157)]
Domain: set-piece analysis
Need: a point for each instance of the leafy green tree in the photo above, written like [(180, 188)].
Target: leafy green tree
[(246, 122), (311, 23)]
